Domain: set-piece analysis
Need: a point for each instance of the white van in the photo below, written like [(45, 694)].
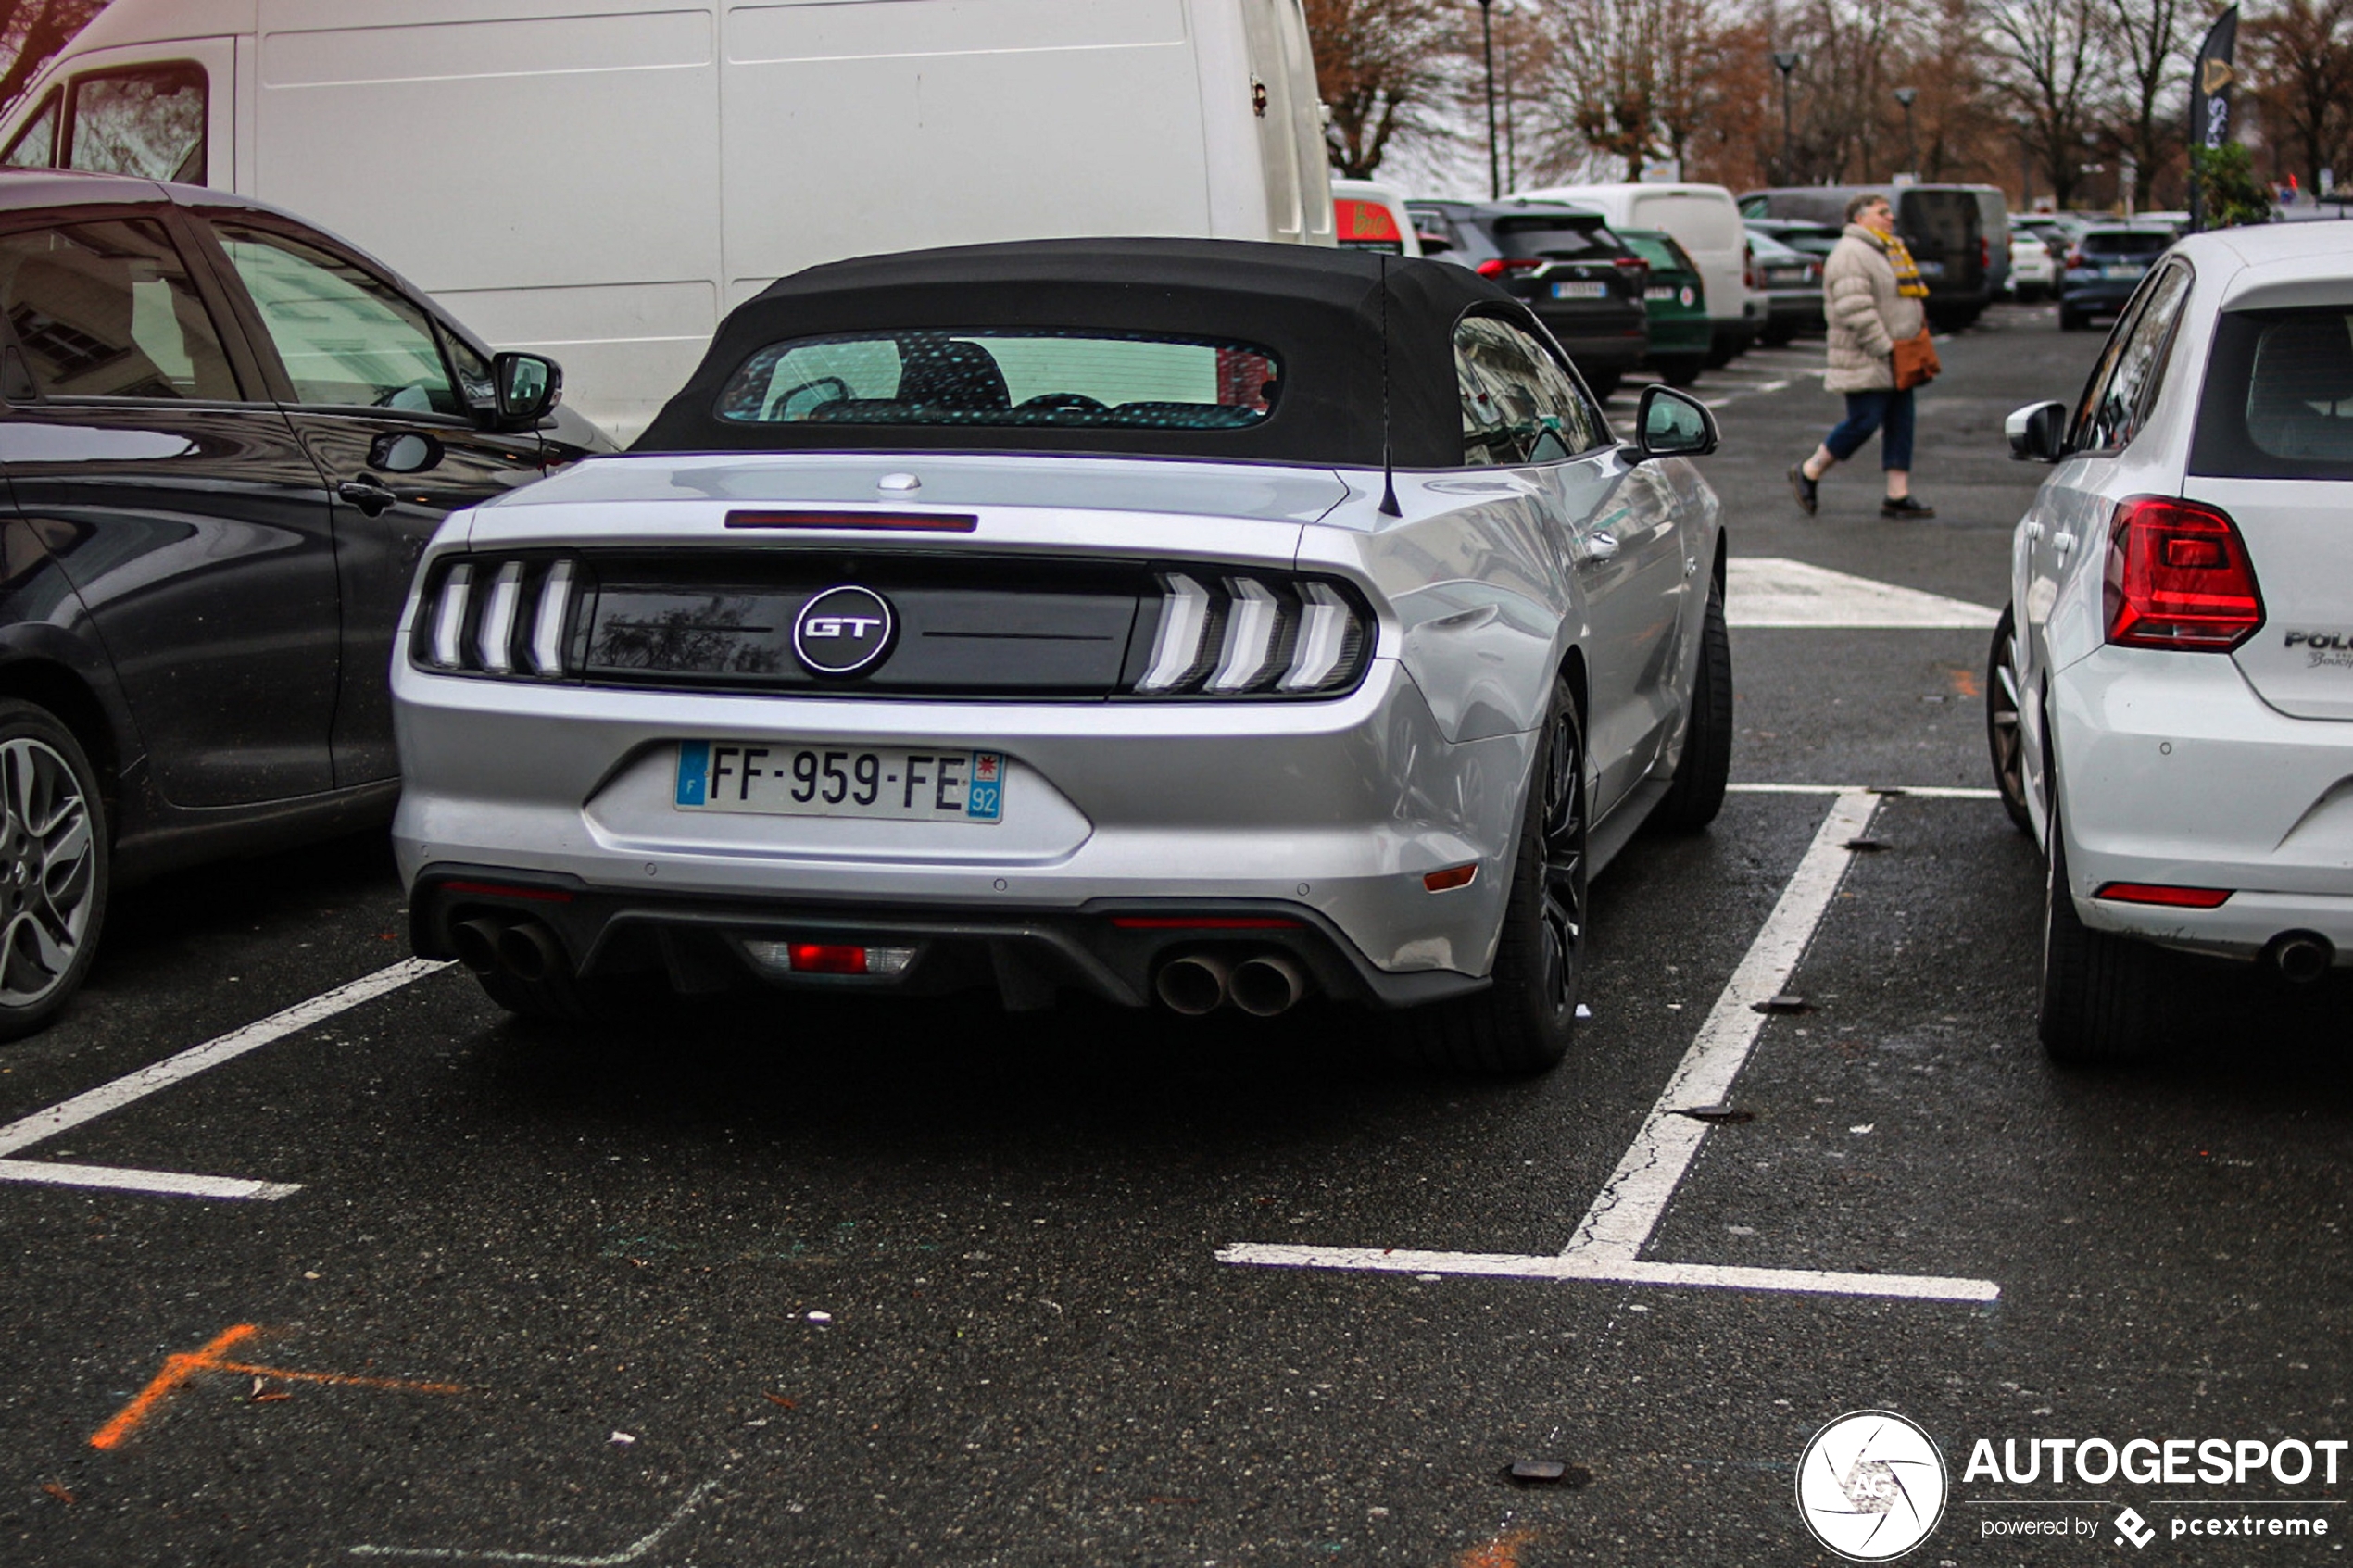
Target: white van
[(1706, 222), (603, 181)]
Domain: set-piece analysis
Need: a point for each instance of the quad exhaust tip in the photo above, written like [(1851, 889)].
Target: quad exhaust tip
[(1193, 985), (529, 952), (2300, 957), (1266, 984), (476, 941)]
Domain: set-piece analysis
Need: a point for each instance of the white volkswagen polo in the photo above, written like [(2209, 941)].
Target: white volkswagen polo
[(2171, 696)]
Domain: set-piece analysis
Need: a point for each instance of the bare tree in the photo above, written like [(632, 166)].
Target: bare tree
[(2149, 44), (1382, 66), (31, 32), (2303, 59), (2054, 70)]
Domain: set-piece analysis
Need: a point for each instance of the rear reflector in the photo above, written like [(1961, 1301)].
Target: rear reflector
[(2178, 577), (829, 958), (2158, 892), (1204, 922), (899, 522), (1451, 878)]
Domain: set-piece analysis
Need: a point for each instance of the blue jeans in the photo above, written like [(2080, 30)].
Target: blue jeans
[(1889, 413)]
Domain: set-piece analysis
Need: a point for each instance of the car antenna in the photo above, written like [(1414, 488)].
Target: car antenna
[(1388, 465)]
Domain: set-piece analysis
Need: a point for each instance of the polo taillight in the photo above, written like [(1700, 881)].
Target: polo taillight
[(1506, 265), (2178, 577)]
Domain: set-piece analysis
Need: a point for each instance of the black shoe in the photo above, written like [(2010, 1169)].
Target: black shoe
[(1808, 491), (1907, 507)]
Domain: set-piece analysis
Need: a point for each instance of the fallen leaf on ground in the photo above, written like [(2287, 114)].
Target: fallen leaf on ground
[(57, 1492), (780, 1400)]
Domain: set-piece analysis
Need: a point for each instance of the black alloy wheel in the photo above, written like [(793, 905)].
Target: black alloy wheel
[(1526, 1018), (1696, 793), (2004, 739), (54, 868)]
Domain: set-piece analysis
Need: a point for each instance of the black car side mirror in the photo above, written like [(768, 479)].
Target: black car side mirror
[(1669, 423), (1432, 243), (527, 385), (2037, 433)]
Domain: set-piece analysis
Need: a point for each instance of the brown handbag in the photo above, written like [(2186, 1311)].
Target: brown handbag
[(1915, 362)]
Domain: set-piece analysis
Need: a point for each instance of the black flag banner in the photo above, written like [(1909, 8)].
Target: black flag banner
[(2211, 75)]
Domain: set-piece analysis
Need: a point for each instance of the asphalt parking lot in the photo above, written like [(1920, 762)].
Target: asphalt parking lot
[(933, 1285)]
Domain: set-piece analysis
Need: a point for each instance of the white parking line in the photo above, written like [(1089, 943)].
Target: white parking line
[(1608, 1242), (93, 1103), (629, 1554), (1931, 792)]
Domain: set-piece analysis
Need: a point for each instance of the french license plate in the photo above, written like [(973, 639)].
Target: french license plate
[(781, 779), (1580, 291), (1930, 269), (1659, 291), (2130, 269)]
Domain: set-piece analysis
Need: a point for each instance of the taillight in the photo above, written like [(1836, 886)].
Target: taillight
[(1253, 636), (497, 617), (2074, 256), (1504, 266), (2178, 577), (1748, 265), (1984, 251)]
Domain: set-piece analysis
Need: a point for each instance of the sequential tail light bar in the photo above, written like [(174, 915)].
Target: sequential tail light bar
[(510, 617), (1253, 634), (2160, 893)]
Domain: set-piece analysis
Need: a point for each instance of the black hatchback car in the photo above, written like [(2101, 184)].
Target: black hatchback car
[(226, 437), (1583, 282), (2103, 267)]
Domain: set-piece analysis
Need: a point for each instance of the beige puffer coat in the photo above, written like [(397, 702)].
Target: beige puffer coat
[(1866, 316)]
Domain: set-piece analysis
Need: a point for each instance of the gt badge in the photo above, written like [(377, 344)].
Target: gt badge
[(843, 631)]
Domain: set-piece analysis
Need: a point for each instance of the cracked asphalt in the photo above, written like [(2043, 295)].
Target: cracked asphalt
[(826, 1284)]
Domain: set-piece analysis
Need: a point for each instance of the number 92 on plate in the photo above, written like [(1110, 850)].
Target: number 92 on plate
[(787, 779)]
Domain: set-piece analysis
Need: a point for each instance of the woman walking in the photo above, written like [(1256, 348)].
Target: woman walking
[(1872, 295)]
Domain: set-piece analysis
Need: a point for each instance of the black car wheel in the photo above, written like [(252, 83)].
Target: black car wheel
[(2104, 996), (1697, 792), (1525, 1020), (1601, 383), (2003, 737), (53, 866), (2070, 322), (1679, 370)]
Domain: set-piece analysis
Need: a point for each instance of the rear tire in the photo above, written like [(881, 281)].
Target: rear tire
[(1697, 793), (1526, 1018), (2004, 739), (2104, 996), (1680, 370), (55, 867), (2070, 322), (1603, 383)]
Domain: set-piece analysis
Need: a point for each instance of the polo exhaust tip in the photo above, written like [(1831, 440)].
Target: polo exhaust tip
[(2300, 957), (476, 941), (530, 951), (1193, 985), (1267, 984)]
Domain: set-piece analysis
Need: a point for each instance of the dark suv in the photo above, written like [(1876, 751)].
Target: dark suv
[(2103, 267), (226, 437), (1943, 226), (1583, 282)]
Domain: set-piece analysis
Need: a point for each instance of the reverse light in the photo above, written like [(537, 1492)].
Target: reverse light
[(830, 958), (2161, 893), (2178, 577)]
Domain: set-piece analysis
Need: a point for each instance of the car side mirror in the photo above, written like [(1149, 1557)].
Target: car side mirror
[(1433, 244), (1669, 423), (2037, 433), (527, 385)]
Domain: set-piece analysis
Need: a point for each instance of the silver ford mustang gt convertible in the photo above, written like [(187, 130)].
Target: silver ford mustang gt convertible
[(1196, 622)]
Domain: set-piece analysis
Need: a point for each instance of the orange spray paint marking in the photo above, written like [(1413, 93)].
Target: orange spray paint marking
[(179, 1370), (1964, 682), (1501, 1552)]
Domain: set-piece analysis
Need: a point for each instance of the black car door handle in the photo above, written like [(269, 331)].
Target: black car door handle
[(369, 495)]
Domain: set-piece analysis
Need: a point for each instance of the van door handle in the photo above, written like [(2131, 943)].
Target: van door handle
[(1602, 545), (2034, 532), (2062, 543), (370, 495)]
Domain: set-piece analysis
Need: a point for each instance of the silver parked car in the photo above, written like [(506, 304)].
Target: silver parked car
[(1203, 621)]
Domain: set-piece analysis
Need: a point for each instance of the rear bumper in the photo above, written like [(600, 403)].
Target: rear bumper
[(1594, 348), (1108, 948), (2101, 298), (1801, 311), (2173, 772)]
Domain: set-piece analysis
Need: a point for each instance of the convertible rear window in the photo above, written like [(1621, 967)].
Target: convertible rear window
[(1068, 379), (2278, 402)]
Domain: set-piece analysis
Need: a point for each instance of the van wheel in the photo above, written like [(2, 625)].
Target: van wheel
[(54, 868), (2002, 736), (1697, 792), (2103, 995), (1680, 370), (1525, 1020)]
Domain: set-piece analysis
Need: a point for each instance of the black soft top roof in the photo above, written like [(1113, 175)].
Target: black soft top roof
[(1319, 310)]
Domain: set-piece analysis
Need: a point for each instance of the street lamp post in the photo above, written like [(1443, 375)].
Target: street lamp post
[(1786, 61), (1905, 95), (1487, 43)]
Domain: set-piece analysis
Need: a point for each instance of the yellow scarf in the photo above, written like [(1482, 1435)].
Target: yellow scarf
[(1908, 282)]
